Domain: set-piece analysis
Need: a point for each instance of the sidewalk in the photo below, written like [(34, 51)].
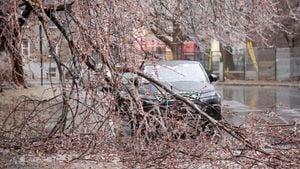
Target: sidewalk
[(258, 83)]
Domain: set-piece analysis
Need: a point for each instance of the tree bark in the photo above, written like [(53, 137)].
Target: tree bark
[(176, 50), (17, 61), (11, 40), (17, 69), (227, 57), (16, 58), (173, 41)]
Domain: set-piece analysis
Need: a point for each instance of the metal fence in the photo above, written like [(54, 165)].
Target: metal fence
[(273, 64)]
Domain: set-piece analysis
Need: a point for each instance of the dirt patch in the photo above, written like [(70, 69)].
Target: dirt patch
[(10, 96), (56, 161)]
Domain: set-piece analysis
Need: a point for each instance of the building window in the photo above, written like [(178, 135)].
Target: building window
[(52, 71), (25, 47)]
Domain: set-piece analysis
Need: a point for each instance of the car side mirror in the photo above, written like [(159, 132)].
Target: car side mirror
[(136, 82), (213, 77)]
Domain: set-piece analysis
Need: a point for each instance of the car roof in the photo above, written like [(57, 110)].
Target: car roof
[(172, 62), (176, 62)]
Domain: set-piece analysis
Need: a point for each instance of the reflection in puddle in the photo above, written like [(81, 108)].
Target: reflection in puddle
[(262, 97), (246, 99)]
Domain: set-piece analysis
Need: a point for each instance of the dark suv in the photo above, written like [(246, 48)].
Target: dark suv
[(187, 78)]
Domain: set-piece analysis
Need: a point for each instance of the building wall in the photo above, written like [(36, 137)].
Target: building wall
[(33, 71), (149, 43), (32, 55)]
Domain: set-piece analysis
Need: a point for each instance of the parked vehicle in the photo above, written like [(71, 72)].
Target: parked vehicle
[(187, 78)]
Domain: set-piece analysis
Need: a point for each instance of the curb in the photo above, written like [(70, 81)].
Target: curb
[(258, 83)]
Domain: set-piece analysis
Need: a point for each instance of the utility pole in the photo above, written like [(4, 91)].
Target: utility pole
[(41, 52)]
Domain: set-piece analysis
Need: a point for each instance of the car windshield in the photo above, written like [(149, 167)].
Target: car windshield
[(178, 72)]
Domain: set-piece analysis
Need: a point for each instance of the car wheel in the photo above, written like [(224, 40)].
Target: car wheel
[(214, 111)]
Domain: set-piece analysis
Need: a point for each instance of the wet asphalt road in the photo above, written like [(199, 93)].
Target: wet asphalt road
[(242, 100)]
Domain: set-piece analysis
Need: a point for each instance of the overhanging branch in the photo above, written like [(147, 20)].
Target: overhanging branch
[(163, 38)]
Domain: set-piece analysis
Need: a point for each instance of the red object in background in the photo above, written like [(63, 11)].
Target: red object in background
[(189, 48)]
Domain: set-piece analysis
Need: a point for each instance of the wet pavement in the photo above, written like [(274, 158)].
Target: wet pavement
[(242, 100)]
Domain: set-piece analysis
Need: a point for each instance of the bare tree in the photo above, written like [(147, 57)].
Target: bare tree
[(173, 22), (228, 21), (165, 22), (10, 29), (93, 109), (287, 34)]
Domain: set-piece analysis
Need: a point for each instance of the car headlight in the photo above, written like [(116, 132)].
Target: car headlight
[(212, 95), (208, 94)]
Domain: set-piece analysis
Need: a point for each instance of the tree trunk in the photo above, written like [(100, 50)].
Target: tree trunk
[(227, 58), (176, 50), (9, 40), (176, 40), (16, 59), (17, 70)]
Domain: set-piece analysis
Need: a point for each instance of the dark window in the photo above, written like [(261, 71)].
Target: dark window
[(52, 71), (25, 47)]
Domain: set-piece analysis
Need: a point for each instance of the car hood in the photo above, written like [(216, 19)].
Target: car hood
[(178, 87)]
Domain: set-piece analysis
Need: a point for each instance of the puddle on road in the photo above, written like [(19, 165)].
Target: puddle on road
[(262, 97), (246, 99)]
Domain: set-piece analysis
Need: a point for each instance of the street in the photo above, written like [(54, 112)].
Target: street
[(242, 100)]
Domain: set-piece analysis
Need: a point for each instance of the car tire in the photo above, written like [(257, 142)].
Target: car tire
[(215, 112)]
